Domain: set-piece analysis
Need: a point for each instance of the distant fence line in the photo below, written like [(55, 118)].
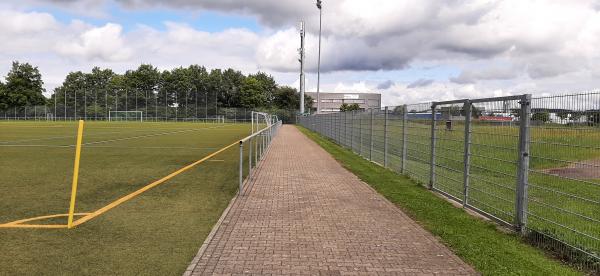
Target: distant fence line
[(532, 164), (151, 113)]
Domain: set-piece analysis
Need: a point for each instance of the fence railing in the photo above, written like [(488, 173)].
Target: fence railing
[(258, 143), (532, 164)]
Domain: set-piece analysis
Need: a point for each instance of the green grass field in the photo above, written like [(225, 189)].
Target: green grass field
[(156, 233), (567, 209)]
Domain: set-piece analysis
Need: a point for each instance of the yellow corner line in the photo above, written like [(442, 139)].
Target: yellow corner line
[(33, 226), (147, 187), (75, 174), (19, 222)]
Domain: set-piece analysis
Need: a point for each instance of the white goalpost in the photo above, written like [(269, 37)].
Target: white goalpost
[(126, 116)]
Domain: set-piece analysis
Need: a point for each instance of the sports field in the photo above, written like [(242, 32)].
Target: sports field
[(157, 232)]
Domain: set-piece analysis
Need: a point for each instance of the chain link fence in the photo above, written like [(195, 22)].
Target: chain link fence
[(532, 164)]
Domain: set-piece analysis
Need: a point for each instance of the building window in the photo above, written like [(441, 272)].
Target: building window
[(360, 101)]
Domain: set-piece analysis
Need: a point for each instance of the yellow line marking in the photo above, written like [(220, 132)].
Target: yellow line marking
[(75, 174), (34, 226), (89, 216), (19, 223), (148, 187)]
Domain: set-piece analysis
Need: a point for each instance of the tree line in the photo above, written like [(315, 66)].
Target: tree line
[(147, 87)]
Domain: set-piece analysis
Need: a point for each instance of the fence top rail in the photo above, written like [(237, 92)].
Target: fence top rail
[(587, 93), (245, 139), (480, 100)]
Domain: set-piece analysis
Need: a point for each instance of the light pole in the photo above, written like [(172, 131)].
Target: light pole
[(302, 86), (319, 59)]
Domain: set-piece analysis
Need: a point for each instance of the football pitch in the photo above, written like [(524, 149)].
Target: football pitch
[(157, 232)]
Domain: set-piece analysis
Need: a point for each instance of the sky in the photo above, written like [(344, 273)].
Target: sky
[(409, 51)]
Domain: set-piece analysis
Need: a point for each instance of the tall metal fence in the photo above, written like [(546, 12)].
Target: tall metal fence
[(532, 164), (151, 113)]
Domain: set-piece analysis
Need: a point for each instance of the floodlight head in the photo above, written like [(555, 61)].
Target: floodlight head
[(301, 26), (319, 4)]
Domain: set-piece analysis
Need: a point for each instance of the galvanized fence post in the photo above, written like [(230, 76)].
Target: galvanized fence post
[(250, 155), (332, 126), (433, 138), (404, 136), (241, 171), (360, 134), (352, 131), (385, 138), (345, 128), (467, 152), (371, 137), (523, 164), (337, 128), (255, 149)]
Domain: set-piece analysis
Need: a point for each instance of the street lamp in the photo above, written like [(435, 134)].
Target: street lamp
[(302, 84), (319, 60)]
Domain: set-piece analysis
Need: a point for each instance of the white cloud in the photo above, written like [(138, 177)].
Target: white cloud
[(486, 73), (99, 43), (61, 48), (499, 46), (30, 23)]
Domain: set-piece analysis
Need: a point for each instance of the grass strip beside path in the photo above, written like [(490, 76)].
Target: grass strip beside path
[(478, 242)]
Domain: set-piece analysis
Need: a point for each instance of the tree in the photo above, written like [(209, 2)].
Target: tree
[(3, 98), (70, 93), (268, 85), (232, 81), (593, 118), (141, 84), (516, 112), (286, 97), (398, 110), (576, 115), (24, 86), (199, 81), (146, 89), (252, 94), (543, 116), (349, 107), (475, 112), (215, 85), (563, 115)]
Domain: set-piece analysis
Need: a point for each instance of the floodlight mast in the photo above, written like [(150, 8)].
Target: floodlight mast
[(319, 5), (302, 83)]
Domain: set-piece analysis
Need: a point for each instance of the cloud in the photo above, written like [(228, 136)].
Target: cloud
[(376, 35), (385, 85), (488, 41), (100, 43), (420, 83), (493, 73), (12, 22), (58, 48)]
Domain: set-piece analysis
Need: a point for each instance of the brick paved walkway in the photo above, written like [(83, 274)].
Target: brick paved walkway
[(305, 214)]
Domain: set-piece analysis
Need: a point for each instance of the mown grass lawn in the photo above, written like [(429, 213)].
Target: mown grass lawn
[(156, 233)]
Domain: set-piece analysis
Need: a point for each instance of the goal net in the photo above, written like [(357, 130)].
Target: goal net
[(126, 116)]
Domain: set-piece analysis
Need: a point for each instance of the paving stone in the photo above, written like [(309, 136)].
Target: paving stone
[(304, 214)]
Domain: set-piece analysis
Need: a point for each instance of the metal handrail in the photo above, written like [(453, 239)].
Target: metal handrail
[(260, 141)]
